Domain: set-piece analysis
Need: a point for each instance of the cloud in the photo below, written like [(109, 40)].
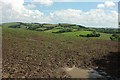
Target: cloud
[(100, 6), (68, 16), (15, 11), (44, 2), (109, 4), (30, 6), (92, 18)]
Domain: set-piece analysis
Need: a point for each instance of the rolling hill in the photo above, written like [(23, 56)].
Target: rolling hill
[(32, 53)]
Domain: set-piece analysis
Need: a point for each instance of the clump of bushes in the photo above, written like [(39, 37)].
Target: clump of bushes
[(93, 34), (82, 35), (115, 37), (14, 26), (64, 30), (40, 29), (33, 27)]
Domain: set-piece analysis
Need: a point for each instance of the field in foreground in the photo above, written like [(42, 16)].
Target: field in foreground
[(39, 54)]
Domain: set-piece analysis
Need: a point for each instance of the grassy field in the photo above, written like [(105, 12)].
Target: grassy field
[(104, 36), (34, 54)]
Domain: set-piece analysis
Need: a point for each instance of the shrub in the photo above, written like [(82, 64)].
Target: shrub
[(64, 30), (115, 37), (93, 34), (82, 35), (33, 27), (14, 26)]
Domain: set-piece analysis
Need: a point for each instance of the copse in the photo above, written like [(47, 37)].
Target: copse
[(64, 30), (93, 34), (115, 37), (33, 27), (14, 26)]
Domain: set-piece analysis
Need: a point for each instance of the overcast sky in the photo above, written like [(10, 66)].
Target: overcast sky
[(91, 14)]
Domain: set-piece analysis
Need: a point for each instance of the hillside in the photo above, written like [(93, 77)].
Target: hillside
[(67, 29), (39, 52)]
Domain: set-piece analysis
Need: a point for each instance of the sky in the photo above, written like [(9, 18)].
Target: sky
[(89, 13)]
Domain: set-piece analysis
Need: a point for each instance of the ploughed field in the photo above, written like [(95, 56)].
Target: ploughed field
[(33, 54)]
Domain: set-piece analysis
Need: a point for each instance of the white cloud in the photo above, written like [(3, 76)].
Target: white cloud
[(100, 6), (69, 15), (44, 2), (106, 4), (30, 6), (83, 0), (95, 17), (14, 10), (109, 4)]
